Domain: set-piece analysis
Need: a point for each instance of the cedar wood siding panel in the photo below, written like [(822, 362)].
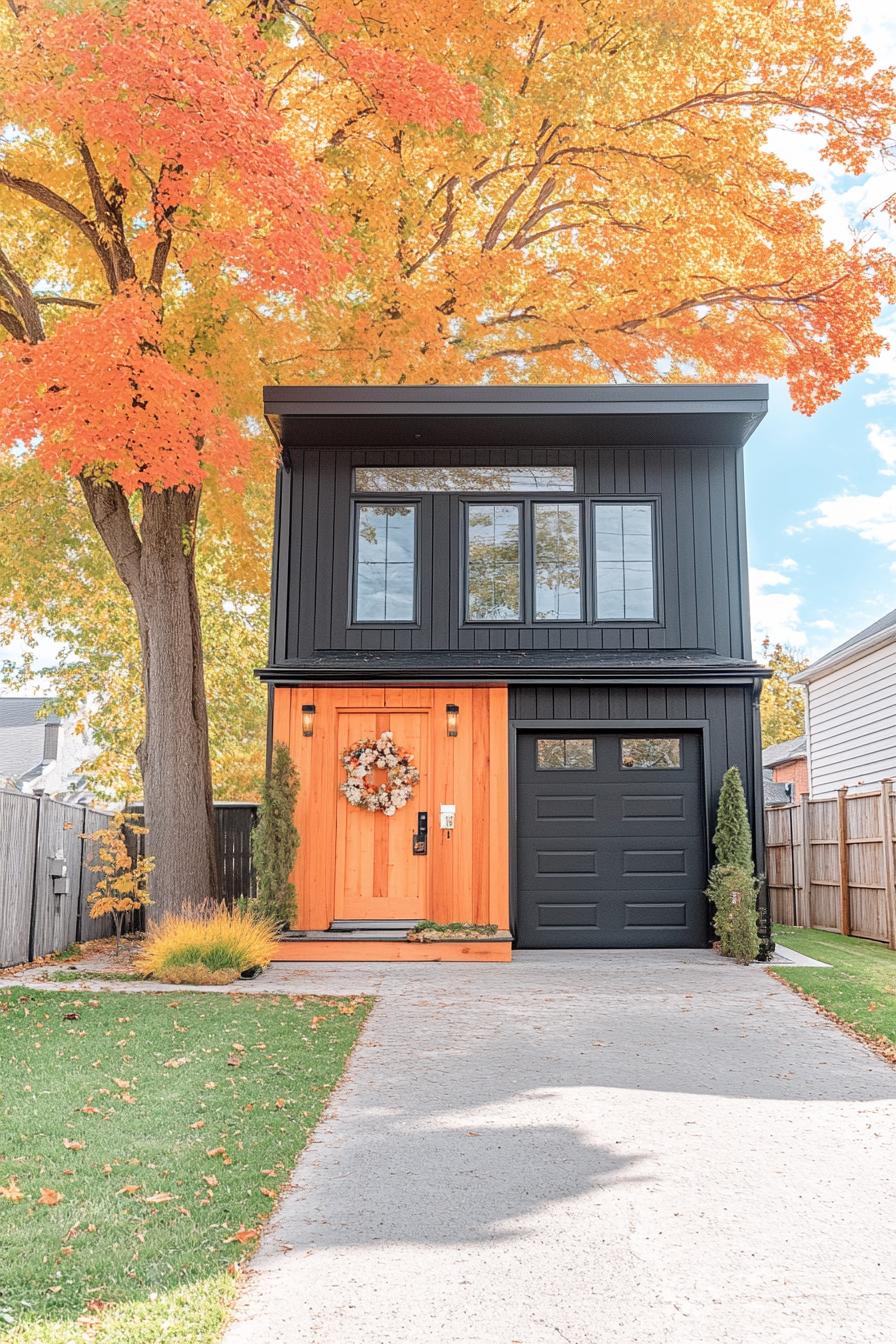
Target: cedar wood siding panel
[(727, 712), (701, 548)]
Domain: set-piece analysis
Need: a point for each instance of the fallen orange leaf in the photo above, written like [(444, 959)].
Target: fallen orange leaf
[(49, 1197), (245, 1234), (161, 1197), (74, 1144), (11, 1191)]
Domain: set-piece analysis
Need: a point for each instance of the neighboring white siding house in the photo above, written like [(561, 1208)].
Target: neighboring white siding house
[(851, 710)]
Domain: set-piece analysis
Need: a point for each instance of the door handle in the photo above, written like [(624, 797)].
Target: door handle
[(419, 837)]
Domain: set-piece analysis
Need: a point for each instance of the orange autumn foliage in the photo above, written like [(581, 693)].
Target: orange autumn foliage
[(196, 198)]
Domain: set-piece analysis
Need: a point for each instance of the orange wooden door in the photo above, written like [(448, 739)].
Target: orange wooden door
[(378, 875)]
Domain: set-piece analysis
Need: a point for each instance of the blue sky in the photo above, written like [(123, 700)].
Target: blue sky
[(822, 489)]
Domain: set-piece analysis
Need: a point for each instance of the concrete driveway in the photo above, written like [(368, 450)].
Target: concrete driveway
[(587, 1147)]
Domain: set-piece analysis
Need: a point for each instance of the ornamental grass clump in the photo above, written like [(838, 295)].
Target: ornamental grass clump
[(206, 949)]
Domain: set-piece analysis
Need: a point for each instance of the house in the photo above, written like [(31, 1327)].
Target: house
[(785, 770), (541, 593), (40, 753), (850, 697)]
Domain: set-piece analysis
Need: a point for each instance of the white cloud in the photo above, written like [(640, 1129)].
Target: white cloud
[(871, 517), (788, 563), (823, 625), (775, 614), (883, 441)]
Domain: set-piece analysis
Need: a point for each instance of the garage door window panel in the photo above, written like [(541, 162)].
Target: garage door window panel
[(564, 753), (650, 753)]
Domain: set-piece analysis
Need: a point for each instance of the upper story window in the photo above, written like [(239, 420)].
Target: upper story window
[(385, 562), (624, 569), (462, 480), (493, 562), (557, 562)]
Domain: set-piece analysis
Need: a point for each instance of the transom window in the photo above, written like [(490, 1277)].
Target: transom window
[(625, 588), (564, 753), (462, 480), (651, 753), (493, 562), (385, 555)]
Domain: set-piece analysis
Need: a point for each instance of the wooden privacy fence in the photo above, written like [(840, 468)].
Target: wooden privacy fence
[(832, 863), (45, 877)]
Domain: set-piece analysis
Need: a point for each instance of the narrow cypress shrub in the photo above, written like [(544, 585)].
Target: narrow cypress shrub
[(736, 919), (275, 840), (732, 884), (732, 841)]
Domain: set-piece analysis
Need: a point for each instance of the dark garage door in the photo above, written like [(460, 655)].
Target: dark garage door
[(612, 850)]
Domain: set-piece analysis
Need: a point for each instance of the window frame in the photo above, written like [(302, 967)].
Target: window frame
[(383, 501), (478, 501), (639, 622), (458, 508), (552, 622)]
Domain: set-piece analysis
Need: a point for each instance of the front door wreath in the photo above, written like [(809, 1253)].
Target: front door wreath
[(379, 753)]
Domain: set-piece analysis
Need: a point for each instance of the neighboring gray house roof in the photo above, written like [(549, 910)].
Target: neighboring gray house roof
[(872, 637), (791, 750), (22, 733), (774, 792)]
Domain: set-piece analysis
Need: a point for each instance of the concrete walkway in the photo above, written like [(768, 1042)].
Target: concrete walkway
[(586, 1147)]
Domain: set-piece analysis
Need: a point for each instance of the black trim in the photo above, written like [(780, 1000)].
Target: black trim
[(383, 502), (660, 415)]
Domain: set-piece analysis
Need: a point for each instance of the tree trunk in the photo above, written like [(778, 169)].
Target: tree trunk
[(157, 567)]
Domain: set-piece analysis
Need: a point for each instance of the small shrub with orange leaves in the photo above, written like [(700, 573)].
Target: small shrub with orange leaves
[(206, 947), (123, 886)]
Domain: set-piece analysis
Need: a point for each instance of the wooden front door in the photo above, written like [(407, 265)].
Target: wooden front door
[(378, 874), (354, 864)]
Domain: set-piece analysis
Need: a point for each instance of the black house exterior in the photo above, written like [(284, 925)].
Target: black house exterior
[(544, 591)]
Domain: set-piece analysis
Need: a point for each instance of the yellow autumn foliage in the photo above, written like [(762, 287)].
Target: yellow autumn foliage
[(221, 941)]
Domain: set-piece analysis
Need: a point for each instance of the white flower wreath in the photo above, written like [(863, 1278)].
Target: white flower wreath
[(379, 753)]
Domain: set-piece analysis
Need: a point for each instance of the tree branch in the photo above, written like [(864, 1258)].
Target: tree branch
[(111, 516), (109, 212), (46, 196), (17, 292), (64, 301)]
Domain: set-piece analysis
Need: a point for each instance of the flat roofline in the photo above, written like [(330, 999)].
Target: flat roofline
[(633, 415), (478, 399)]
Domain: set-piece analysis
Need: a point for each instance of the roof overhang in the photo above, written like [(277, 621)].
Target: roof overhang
[(841, 657), (664, 415)]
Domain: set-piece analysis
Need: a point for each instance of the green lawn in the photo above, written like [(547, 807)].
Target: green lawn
[(860, 987), (143, 1140)]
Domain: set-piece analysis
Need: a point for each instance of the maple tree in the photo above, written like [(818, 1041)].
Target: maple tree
[(195, 198), (124, 884), (781, 705)]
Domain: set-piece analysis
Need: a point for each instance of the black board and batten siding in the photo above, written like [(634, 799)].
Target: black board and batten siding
[(700, 537)]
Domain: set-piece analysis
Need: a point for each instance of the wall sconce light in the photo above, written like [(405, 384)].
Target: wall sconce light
[(307, 720), (451, 713)]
